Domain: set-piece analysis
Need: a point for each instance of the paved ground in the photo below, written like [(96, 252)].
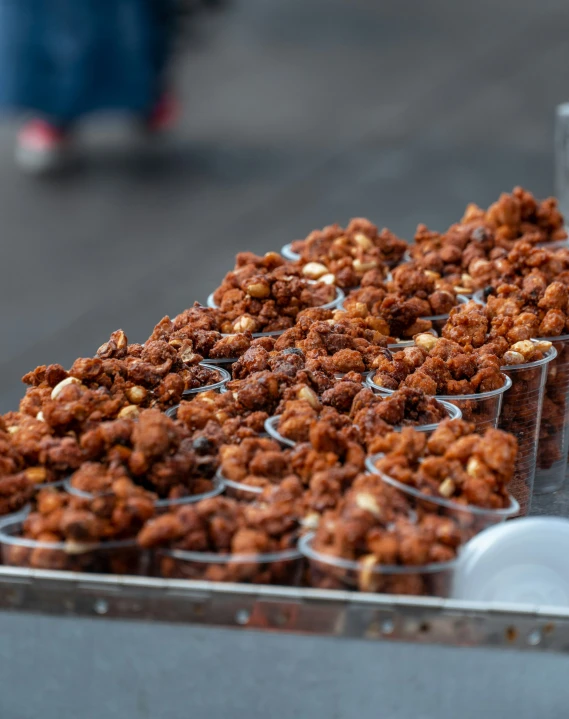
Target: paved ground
[(298, 114)]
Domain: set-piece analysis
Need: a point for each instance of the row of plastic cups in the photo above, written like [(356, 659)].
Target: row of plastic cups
[(552, 409)]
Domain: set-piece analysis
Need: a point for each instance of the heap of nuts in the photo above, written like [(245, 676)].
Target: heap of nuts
[(134, 430), (465, 252), (347, 254), (264, 294), (73, 534), (453, 463)]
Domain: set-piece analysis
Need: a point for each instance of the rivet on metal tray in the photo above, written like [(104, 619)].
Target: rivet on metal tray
[(242, 616), (387, 626), (534, 637), (101, 606)]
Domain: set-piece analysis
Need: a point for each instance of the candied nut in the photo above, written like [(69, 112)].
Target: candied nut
[(128, 412), (524, 347), (432, 275), (360, 266), (259, 290), (363, 241), (120, 339), (309, 395), (40, 417), (136, 394), (314, 270), (328, 279), (474, 467), (37, 475), (245, 324), (311, 521), (56, 391), (189, 356), (367, 564), (511, 357), (542, 346), (447, 487), (426, 341), (367, 501), (12, 429)]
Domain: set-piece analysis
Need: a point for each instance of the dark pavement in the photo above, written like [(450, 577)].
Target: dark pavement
[(297, 114)]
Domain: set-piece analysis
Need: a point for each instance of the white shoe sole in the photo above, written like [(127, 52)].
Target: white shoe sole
[(41, 162)]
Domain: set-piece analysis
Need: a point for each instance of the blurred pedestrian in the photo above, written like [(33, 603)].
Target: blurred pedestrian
[(61, 60)]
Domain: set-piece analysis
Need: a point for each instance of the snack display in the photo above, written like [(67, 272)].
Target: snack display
[(153, 458)]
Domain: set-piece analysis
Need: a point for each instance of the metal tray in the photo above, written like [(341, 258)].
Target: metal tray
[(282, 609)]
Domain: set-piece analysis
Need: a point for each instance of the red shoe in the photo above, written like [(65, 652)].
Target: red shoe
[(163, 115), (42, 147)]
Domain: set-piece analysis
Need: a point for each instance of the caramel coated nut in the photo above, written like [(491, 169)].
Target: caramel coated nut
[(314, 270), (311, 521), (363, 241), (524, 347), (432, 275), (189, 356), (244, 324), (367, 564), (258, 290), (367, 501), (309, 395), (136, 394), (129, 412), (56, 391), (511, 357), (37, 475), (474, 468), (360, 266), (121, 340), (426, 341), (447, 487), (543, 346), (328, 279), (40, 417), (12, 429)]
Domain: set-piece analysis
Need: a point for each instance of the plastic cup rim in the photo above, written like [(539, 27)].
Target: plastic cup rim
[(225, 377), (215, 558), (218, 488), (305, 547), (450, 397), (505, 512), (550, 355), (78, 547)]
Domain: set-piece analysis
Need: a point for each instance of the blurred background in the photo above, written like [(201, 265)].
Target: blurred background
[(296, 115)]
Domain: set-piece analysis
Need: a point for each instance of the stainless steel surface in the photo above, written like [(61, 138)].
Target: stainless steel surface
[(282, 609)]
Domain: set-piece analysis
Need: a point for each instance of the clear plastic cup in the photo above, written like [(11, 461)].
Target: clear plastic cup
[(337, 301), (216, 386), (241, 490), (482, 409), (288, 253), (439, 321), (329, 572), (554, 429), (468, 518), (117, 557), (282, 568), (161, 505), (521, 416), (522, 562), (271, 425)]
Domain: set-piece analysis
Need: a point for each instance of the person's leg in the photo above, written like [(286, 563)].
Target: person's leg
[(165, 110)]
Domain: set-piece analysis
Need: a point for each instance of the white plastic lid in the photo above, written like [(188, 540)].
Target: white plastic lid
[(524, 561)]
